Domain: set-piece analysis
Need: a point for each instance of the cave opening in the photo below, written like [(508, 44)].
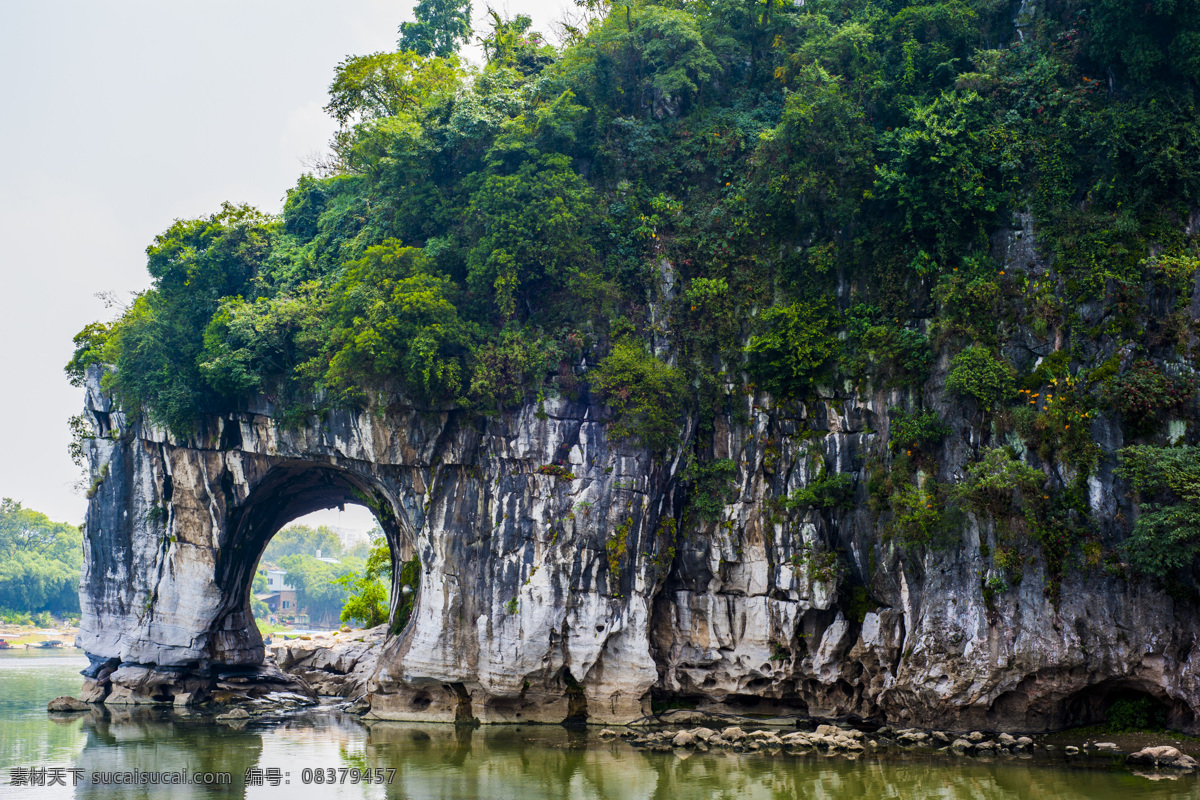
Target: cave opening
[(1123, 705), (312, 543)]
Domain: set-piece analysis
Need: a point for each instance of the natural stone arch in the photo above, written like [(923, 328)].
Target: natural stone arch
[(290, 490)]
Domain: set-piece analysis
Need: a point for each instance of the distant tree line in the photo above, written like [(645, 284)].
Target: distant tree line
[(40, 562)]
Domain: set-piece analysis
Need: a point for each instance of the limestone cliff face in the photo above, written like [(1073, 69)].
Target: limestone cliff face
[(521, 616), (548, 596)]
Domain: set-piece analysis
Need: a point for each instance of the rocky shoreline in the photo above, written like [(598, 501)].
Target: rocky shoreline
[(336, 669), (684, 734), (850, 741), (334, 664), (340, 666)]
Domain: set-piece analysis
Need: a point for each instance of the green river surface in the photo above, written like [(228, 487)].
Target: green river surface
[(444, 762)]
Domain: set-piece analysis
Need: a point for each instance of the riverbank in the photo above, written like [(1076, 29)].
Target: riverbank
[(430, 760), (339, 664), (1139, 750), (29, 636)]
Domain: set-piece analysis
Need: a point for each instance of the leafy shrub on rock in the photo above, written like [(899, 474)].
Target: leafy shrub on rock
[(1166, 535), (976, 373), (915, 430), (796, 343), (645, 394), (994, 483), (1145, 392)]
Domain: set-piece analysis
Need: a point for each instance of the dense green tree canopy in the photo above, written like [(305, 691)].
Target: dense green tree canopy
[(318, 590), (692, 200), (302, 540), (441, 27), (39, 562)]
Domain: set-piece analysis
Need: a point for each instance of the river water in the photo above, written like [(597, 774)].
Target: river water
[(94, 749)]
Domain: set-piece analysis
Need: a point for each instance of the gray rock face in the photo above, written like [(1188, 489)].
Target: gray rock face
[(543, 597)]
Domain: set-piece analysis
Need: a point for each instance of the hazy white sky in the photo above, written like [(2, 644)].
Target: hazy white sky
[(120, 117)]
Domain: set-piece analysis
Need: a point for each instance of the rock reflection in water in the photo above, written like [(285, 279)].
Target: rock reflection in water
[(433, 761), (443, 762), (511, 762), (138, 739)]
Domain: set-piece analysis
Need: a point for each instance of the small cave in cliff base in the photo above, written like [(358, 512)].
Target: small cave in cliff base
[(1125, 706), (753, 704), (313, 541)]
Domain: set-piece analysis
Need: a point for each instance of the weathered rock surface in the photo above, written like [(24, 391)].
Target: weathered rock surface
[(234, 713), (332, 664), (1162, 756), (543, 597), (66, 703), (116, 684)]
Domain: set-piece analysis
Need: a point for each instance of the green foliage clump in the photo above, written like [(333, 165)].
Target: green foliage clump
[(513, 45), (826, 491), (558, 471), (1166, 535), (89, 350), (897, 355), (616, 548), (969, 298), (917, 513), (708, 313), (994, 484), (821, 565), (40, 562), (918, 429), (533, 217), (709, 486), (976, 373), (1135, 714), (507, 368), (441, 27), (943, 168), (373, 87), (1144, 393), (1055, 420), (792, 349), (645, 394), (367, 594), (393, 318)]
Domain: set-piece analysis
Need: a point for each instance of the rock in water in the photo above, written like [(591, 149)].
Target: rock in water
[(1162, 756), (234, 714), (67, 703), (683, 739)]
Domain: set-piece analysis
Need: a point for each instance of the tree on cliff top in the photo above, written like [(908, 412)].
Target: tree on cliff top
[(441, 27)]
